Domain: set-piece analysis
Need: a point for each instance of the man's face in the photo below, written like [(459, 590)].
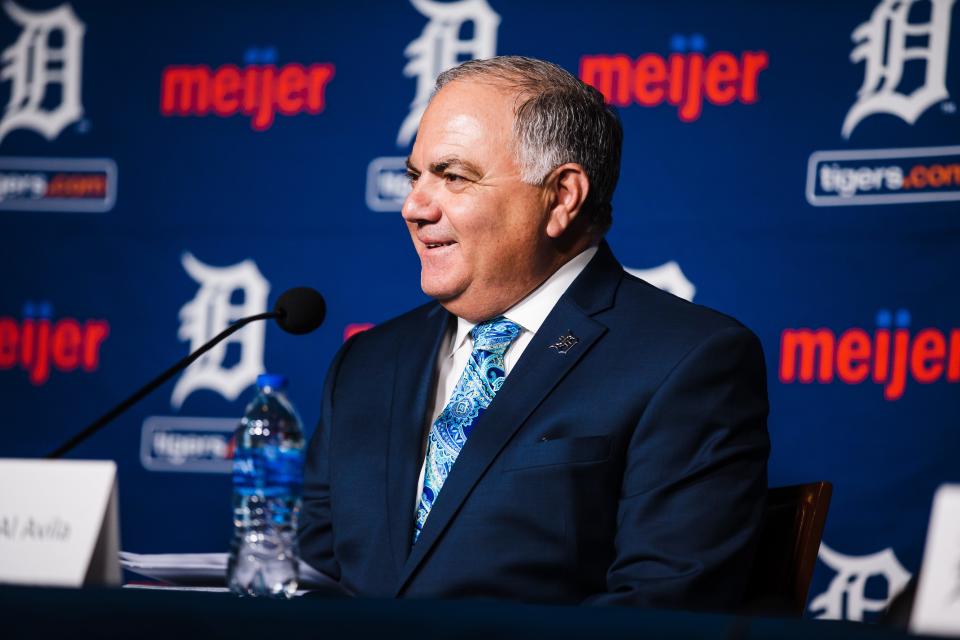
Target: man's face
[(478, 229)]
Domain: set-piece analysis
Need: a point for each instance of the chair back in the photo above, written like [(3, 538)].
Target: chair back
[(787, 551)]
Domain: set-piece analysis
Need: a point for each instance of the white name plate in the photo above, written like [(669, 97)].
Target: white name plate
[(58, 522), (936, 610)]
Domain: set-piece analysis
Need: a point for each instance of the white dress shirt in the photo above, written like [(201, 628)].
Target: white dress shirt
[(529, 314)]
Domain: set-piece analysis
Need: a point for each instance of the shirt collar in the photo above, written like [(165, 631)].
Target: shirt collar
[(530, 312)]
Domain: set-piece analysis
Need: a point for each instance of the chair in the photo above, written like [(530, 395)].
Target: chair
[(787, 551)]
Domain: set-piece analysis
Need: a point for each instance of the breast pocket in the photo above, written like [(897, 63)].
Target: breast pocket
[(563, 451)]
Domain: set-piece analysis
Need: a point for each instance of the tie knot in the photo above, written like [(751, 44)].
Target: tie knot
[(495, 335)]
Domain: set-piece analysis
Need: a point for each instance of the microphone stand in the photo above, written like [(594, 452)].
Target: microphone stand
[(139, 394)]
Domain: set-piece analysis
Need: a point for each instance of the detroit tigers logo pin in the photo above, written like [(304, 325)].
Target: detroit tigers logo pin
[(564, 343)]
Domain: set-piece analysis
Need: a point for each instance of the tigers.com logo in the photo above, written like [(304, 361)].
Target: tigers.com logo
[(58, 184), (905, 72), (889, 356), (187, 444), (883, 176)]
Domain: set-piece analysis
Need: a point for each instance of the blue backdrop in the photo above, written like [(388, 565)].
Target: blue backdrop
[(166, 167)]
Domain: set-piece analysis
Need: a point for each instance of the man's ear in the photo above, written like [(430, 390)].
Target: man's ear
[(567, 188)]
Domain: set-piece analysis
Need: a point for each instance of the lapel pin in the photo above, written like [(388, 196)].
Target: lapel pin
[(565, 342)]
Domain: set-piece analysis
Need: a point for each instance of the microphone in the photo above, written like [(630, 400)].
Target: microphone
[(298, 311)]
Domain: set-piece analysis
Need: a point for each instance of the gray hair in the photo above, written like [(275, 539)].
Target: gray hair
[(558, 119)]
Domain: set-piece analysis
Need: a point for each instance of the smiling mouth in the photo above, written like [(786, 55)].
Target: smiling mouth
[(437, 245)]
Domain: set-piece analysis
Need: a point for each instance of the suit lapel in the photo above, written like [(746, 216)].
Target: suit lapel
[(413, 382), (535, 375)]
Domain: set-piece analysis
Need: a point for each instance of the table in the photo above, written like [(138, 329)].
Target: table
[(28, 612)]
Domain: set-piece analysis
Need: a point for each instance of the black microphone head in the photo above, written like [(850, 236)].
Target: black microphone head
[(300, 310)]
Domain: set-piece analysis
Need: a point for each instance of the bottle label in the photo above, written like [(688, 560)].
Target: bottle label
[(272, 471)]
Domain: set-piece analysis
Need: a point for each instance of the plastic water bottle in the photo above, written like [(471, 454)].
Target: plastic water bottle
[(267, 484)]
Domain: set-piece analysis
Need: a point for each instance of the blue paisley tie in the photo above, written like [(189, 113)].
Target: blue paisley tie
[(480, 381)]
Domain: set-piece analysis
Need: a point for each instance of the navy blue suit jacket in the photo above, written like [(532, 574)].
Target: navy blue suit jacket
[(629, 470)]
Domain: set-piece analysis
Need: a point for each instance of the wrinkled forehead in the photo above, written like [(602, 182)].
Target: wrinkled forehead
[(468, 112), (508, 89)]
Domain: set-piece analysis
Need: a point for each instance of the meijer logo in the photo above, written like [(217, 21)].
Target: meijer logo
[(259, 91), (889, 356), (39, 344), (684, 79)]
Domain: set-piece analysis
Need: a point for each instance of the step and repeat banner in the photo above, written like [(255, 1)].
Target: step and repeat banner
[(166, 167)]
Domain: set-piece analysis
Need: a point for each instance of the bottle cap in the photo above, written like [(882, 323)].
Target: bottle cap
[(273, 380)]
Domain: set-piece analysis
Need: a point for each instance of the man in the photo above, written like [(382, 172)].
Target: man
[(551, 429)]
